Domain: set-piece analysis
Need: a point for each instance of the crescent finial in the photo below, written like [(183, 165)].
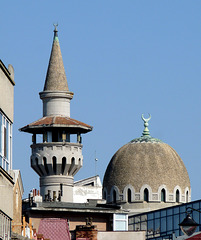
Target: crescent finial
[(146, 120), (146, 124)]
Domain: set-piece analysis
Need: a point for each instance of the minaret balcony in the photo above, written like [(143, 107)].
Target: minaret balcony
[(56, 158)]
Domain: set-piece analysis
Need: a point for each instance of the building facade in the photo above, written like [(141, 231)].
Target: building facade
[(164, 223), (6, 120)]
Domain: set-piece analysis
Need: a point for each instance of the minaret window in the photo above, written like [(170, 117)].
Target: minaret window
[(177, 195), (163, 195), (114, 196), (45, 164), (54, 160), (104, 195), (146, 195), (38, 167), (63, 164), (129, 195)]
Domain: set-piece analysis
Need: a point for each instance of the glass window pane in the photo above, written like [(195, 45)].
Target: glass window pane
[(163, 224), (157, 214), (7, 139), (176, 210), (120, 216), (143, 226), (169, 211), (169, 223), (150, 216), (176, 221), (150, 225), (163, 213), (120, 226)]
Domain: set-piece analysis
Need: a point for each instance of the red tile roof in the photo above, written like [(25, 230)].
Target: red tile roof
[(54, 229), (56, 121)]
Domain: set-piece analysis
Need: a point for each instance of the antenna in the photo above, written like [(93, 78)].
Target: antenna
[(96, 160)]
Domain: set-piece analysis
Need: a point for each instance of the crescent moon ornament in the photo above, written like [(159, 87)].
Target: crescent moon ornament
[(146, 120), (146, 124)]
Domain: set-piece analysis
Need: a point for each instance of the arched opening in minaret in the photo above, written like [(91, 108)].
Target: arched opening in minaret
[(129, 195), (54, 161), (70, 171), (104, 195), (146, 195), (163, 195), (186, 196), (45, 165), (63, 164), (177, 195), (114, 196), (40, 173)]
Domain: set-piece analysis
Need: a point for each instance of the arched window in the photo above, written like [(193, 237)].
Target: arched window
[(163, 195), (45, 164), (129, 195), (54, 160), (38, 167), (63, 164), (177, 195), (146, 195), (114, 196), (104, 195), (186, 196)]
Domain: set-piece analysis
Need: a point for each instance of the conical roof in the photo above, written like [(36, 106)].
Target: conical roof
[(56, 76)]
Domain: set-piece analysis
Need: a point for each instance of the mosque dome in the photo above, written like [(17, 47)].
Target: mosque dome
[(146, 169)]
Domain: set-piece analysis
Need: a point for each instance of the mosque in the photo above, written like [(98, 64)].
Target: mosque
[(144, 175)]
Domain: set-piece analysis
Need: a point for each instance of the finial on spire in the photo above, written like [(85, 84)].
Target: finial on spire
[(55, 30), (146, 130)]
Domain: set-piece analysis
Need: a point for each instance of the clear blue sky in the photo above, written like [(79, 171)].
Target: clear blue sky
[(122, 59)]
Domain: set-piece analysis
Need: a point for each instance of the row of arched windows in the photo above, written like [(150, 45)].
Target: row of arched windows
[(145, 195), (54, 165)]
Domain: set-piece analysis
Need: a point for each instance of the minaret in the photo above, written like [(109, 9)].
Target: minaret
[(56, 159)]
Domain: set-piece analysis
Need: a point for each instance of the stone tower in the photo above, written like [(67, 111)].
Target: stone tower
[(56, 159)]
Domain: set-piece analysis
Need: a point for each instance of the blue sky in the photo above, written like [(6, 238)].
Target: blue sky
[(122, 59)]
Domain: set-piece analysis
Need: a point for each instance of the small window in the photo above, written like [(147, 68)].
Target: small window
[(54, 164), (114, 196), (63, 164), (45, 165), (177, 195), (187, 196), (104, 195), (129, 195), (146, 195), (163, 195)]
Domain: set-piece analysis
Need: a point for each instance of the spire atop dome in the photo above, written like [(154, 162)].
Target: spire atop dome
[(56, 76), (146, 130)]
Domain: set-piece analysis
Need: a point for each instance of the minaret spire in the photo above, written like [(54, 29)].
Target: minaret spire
[(56, 95), (56, 77)]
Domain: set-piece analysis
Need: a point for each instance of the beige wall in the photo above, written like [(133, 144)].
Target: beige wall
[(7, 90), (17, 209), (6, 190), (121, 235)]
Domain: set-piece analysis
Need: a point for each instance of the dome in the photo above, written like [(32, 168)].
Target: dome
[(147, 163)]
